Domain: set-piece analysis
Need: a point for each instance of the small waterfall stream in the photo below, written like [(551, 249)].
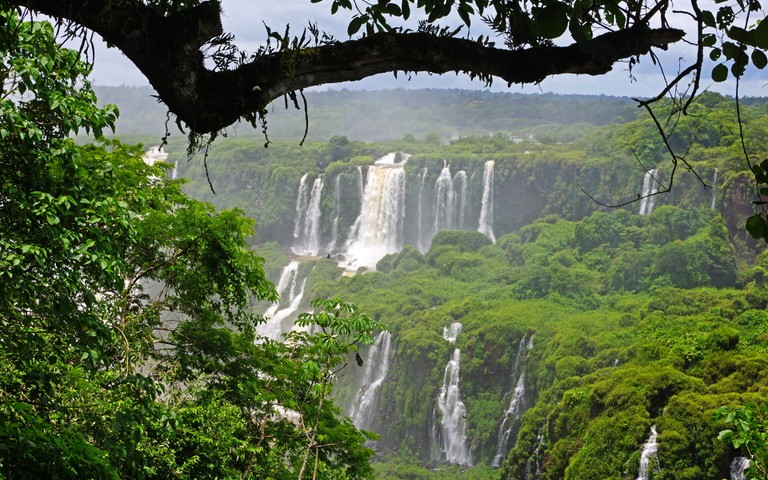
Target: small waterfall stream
[(445, 201), (517, 403), (533, 467), (376, 369), (420, 212), (714, 191), (452, 409), (307, 227), (301, 207), (738, 467), (290, 288), (337, 214), (486, 208), (650, 187), (460, 186), (650, 451)]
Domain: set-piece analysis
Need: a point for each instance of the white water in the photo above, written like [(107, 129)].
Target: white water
[(376, 368), (535, 460), (486, 208), (650, 187), (337, 214), (516, 407), (306, 230), (175, 171), (154, 155), (451, 333), (460, 186), (378, 230), (301, 207), (290, 289), (445, 201), (420, 219), (453, 415), (650, 450), (714, 191), (738, 467)]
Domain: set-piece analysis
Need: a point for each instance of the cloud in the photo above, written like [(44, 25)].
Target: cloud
[(246, 19)]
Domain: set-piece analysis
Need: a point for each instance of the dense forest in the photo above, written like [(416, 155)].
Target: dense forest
[(583, 332)]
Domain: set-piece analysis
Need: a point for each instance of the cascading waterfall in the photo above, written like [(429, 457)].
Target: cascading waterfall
[(452, 409), (533, 467), (175, 171), (337, 214), (378, 230), (376, 369), (295, 298), (714, 191), (486, 207), (272, 328), (360, 182), (420, 218), (517, 405), (650, 187), (450, 334), (738, 466), (650, 451), (307, 227), (445, 201), (460, 185), (301, 207)]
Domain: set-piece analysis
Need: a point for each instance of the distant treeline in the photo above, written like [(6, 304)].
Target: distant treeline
[(393, 114)]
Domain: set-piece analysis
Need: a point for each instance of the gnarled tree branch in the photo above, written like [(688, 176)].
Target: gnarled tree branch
[(167, 49)]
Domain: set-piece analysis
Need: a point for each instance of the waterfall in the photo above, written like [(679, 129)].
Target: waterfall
[(420, 218), (460, 185), (154, 155), (714, 190), (306, 230), (444, 201), (378, 230), (486, 209), (535, 460), (450, 334), (289, 285), (376, 368), (175, 171), (517, 405), (337, 214), (454, 413), (738, 467), (452, 409), (360, 182), (301, 207), (649, 451), (650, 187)]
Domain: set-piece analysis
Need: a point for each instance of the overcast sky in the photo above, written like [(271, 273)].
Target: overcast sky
[(246, 18)]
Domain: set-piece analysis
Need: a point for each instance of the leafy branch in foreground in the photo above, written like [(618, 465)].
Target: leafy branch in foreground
[(748, 434)]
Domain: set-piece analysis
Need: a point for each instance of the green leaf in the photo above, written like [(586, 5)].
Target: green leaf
[(756, 225), (720, 73), (552, 21), (759, 59), (761, 35), (356, 23)]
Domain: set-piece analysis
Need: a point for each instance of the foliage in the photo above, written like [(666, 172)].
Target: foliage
[(127, 333), (748, 434)]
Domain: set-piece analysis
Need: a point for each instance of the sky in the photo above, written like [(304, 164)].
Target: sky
[(246, 19)]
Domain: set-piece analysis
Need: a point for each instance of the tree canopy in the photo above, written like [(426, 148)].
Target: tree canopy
[(128, 342), (208, 83)]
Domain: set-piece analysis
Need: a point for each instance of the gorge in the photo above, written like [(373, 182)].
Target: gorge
[(533, 333)]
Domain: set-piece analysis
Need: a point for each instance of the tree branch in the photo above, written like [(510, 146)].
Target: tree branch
[(167, 49)]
